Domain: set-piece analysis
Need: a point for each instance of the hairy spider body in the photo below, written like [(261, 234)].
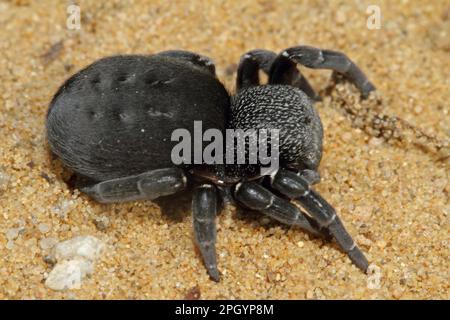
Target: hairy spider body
[(112, 124), (286, 108)]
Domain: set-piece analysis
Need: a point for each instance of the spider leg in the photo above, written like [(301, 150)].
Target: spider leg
[(296, 187), (311, 176), (319, 59), (204, 210), (148, 185), (256, 197), (193, 58), (249, 65), (252, 61), (226, 194)]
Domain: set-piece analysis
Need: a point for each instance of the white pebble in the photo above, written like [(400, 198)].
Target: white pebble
[(63, 208), (69, 274), (12, 233), (10, 245), (87, 247), (75, 260), (44, 228), (48, 243), (101, 223), (375, 141)]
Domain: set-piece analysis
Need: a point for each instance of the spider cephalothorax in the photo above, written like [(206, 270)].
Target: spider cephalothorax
[(112, 124)]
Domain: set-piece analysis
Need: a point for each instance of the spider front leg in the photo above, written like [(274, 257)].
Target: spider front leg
[(254, 196), (249, 66), (296, 187), (204, 210), (311, 176), (148, 185), (252, 61), (318, 59)]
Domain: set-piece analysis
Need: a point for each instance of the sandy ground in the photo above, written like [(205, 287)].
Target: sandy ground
[(392, 194)]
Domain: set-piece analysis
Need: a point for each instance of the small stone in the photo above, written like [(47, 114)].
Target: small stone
[(397, 293), (417, 109), (44, 228), (300, 244), (69, 274), (309, 294), (319, 294), (48, 243), (381, 244), (347, 137), (193, 294), (12, 234), (63, 208), (375, 141), (101, 223), (75, 260), (87, 247), (50, 260), (362, 240), (10, 245)]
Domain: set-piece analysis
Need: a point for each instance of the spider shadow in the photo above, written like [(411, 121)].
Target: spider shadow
[(179, 205), (175, 207), (60, 172), (255, 219)]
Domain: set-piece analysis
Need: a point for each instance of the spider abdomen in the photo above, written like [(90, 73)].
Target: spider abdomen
[(115, 118)]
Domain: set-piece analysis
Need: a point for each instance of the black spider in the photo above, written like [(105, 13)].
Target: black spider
[(112, 123)]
